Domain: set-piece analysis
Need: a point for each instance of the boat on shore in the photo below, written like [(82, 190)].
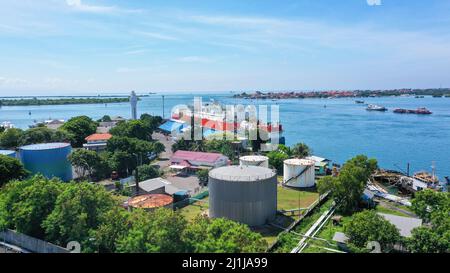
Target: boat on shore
[(418, 111), (373, 107)]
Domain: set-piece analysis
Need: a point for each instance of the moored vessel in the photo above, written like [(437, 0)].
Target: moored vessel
[(418, 111), (373, 107)]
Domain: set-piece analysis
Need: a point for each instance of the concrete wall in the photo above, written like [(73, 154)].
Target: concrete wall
[(29, 243)]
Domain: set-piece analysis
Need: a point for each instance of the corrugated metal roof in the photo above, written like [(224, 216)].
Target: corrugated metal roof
[(171, 126), (196, 156)]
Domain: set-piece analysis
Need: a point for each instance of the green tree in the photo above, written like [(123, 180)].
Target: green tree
[(146, 172), (276, 160), (153, 122), (156, 232), (425, 240), (27, 203), (368, 226), (133, 129), (114, 226), (206, 235), (301, 150), (426, 202), (79, 127), (222, 146), (85, 162), (348, 187), (434, 208), (182, 144), (105, 118), (10, 138), (78, 211), (10, 168), (203, 176)]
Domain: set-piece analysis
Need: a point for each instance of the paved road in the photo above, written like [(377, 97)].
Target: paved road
[(164, 157)]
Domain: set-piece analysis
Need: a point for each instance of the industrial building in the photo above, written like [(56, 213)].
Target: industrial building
[(254, 160), (321, 164), (150, 201), (198, 160), (172, 127), (8, 153), (155, 185), (245, 194), (49, 159), (299, 173), (97, 142)]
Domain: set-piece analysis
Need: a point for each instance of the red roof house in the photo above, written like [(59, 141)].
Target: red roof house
[(98, 137)]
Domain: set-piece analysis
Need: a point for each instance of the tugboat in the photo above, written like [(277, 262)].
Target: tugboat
[(373, 107), (418, 111)]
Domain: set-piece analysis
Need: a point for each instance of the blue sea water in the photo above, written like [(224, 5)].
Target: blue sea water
[(338, 131)]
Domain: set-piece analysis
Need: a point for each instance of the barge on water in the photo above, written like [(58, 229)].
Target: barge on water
[(418, 111)]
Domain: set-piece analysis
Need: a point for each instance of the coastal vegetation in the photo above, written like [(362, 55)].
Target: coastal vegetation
[(277, 157), (59, 101), (79, 128), (347, 188), (368, 226), (11, 168), (62, 212), (434, 208)]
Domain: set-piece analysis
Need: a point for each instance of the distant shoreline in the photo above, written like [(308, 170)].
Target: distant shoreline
[(438, 92), (63, 101)]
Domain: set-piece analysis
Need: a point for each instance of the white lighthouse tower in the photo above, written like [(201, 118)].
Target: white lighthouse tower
[(133, 101)]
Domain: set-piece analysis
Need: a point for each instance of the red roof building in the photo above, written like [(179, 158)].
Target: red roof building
[(97, 142), (98, 137)]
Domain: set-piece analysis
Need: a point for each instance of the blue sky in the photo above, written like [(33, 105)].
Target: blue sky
[(92, 46)]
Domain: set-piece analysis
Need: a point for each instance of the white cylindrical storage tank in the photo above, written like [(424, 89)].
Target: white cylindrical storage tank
[(254, 160), (245, 194), (299, 173)]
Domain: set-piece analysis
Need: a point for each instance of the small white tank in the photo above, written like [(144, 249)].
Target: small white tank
[(254, 160), (299, 173)]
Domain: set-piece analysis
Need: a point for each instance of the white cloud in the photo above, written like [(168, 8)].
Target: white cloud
[(195, 59), (13, 82), (155, 35), (82, 7)]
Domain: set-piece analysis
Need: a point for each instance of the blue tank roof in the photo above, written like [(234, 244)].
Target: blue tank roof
[(45, 146)]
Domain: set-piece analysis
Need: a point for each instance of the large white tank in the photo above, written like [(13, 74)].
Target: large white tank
[(299, 173), (254, 160)]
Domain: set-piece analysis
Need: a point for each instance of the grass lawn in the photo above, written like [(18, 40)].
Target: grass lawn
[(191, 211), (292, 199)]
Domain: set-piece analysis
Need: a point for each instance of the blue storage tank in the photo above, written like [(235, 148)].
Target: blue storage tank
[(49, 159), (8, 153)]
